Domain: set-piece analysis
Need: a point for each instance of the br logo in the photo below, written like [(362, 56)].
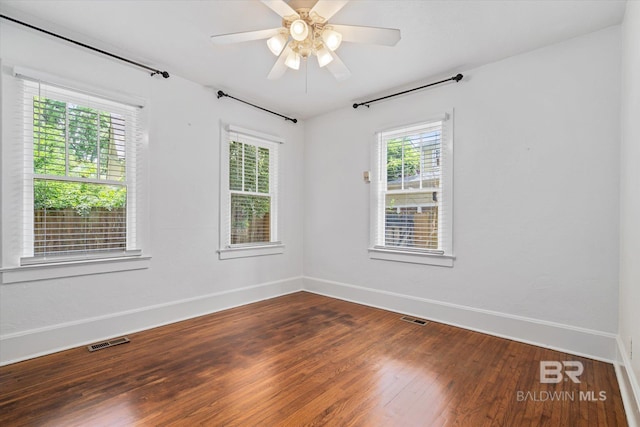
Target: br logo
[(554, 372)]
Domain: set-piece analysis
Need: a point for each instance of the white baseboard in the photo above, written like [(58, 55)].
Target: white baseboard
[(569, 339), (39, 342), (629, 387)]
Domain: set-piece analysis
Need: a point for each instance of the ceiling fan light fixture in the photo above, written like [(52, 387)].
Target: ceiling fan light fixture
[(293, 60), (324, 56), (277, 43), (299, 30), (332, 39), (305, 32)]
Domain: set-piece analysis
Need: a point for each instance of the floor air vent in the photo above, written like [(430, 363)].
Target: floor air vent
[(110, 343), (414, 320)]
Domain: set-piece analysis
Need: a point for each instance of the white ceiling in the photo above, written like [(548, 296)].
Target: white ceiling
[(439, 39)]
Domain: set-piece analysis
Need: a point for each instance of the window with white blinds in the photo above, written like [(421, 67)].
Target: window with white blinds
[(412, 189), (250, 190), (80, 156)]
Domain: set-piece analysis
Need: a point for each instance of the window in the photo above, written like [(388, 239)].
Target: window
[(80, 175), (250, 196), (412, 194)]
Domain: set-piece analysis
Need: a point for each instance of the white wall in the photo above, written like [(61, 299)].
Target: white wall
[(536, 203), (630, 200), (536, 150), (185, 277)]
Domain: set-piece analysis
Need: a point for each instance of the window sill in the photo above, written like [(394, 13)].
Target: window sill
[(250, 251), (411, 257), (45, 271)]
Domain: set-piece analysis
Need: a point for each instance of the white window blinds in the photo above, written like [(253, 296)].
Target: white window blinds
[(412, 189), (80, 172), (250, 188)]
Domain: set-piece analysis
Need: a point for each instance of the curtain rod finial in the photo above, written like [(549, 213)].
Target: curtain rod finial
[(162, 73)]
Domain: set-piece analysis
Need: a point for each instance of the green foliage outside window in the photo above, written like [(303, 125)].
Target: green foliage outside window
[(77, 142), (249, 173), (401, 151)]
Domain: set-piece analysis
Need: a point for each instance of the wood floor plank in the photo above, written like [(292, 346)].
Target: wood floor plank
[(305, 359)]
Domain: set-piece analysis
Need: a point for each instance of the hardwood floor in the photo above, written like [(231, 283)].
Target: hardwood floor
[(304, 359)]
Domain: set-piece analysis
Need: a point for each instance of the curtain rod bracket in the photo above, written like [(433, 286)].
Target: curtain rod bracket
[(221, 94), (455, 78), (162, 73)]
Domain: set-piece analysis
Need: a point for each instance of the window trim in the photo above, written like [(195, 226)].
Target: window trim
[(56, 270), (444, 257), (251, 251), (14, 266), (66, 96), (23, 73), (225, 249), (426, 258)]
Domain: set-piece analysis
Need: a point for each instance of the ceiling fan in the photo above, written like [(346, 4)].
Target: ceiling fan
[(306, 32)]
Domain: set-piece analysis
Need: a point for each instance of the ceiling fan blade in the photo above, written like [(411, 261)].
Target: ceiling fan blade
[(337, 68), (328, 8), (245, 36), (279, 68), (281, 8), (369, 35)]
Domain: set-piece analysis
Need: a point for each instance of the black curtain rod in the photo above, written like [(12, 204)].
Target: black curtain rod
[(457, 78), (137, 64), (221, 94)]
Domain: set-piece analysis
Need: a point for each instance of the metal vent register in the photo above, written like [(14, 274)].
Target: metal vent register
[(110, 343), (410, 319)]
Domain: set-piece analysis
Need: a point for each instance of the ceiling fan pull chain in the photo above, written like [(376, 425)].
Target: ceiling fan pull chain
[(306, 76)]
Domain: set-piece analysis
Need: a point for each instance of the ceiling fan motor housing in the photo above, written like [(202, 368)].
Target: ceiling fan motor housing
[(312, 40)]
